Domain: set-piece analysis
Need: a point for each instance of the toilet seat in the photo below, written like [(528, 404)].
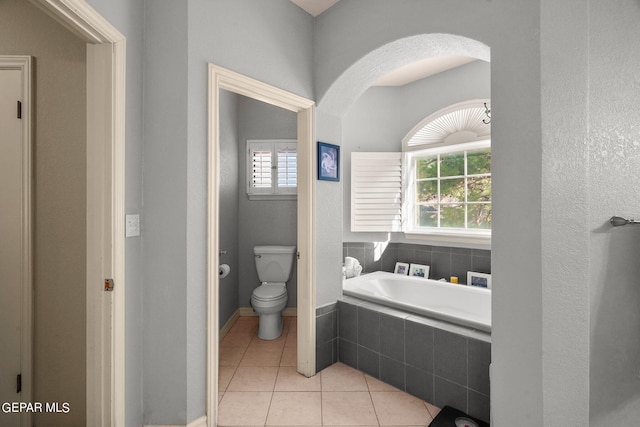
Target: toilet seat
[(269, 292)]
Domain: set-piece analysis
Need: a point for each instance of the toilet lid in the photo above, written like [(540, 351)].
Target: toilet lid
[(269, 292)]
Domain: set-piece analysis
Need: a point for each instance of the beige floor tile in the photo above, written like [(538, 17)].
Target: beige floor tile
[(433, 410), (339, 377), (237, 339), (377, 385), (256, 356), (277, 343), (253, 378), (244, 408), (295, 408), (225, 373), (289, 357), (290, 380), (231, 356), (345, 408), (292, 340), (399, 409)]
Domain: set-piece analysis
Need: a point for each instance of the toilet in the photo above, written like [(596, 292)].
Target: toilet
[(274, 265)]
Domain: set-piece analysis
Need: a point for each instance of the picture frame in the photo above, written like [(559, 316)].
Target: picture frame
[(401, 268), (328, 162), (479, 280), (419, 270)]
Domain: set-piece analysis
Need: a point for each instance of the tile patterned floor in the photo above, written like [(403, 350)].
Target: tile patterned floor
[(259, 386)]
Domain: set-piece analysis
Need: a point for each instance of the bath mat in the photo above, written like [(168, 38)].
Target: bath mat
[(448, 415)]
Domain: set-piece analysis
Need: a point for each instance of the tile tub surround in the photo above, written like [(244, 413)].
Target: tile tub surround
[(326, 336), (443, 260), (437, 362)]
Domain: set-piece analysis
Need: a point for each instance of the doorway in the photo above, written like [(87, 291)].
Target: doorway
[(221, 78), (16, 306)]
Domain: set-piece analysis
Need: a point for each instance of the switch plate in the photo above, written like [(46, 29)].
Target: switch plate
[(132, 225)]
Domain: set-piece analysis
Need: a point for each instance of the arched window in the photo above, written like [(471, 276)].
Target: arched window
[(447, 173), (439, 187)]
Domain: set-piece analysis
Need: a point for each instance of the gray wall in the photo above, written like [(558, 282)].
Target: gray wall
[(59, 205), (609, 164), (229, 215), (382, 117), (264, 222)]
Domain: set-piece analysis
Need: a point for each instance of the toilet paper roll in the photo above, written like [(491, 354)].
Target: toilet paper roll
[(224, 270)]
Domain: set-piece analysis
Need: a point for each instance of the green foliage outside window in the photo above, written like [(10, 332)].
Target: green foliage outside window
[(453, 190)]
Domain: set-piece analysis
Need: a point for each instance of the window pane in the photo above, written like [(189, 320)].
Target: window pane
[(479, 189), (427, 167), (479, 216), (427, 215), (427, 191), (452, 216), (452, 164), (452, 190), (479, 161)]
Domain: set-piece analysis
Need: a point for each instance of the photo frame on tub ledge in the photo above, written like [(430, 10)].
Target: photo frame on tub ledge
[(480, 280), (328, 162)]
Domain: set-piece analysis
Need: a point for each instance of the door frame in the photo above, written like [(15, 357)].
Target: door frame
[(106, 71), (222, 78), (23, 64)]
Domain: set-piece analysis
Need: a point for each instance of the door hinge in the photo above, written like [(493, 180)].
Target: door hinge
[(19, 109), (19, 383), (298, 255), (108, 285)]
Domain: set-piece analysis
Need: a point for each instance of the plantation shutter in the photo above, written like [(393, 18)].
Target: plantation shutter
[(260, 158), (376, 191), (287, 167)]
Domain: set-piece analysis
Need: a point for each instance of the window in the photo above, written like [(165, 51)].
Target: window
[(450, 189), (444, 192), (271, 169)]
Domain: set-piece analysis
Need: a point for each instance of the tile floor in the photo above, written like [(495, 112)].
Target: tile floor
[(259, 386)]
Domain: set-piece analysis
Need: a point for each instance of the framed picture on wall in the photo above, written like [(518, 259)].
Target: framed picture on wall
[(328, 162), (419, 270), (481, 280), (401, 268)]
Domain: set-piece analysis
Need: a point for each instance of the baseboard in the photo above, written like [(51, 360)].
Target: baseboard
[(199, 422), (227, 326), (248, 311)]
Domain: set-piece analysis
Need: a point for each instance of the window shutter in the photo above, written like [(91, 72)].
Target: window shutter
[(261, 164), (287, 167), (376, 191)]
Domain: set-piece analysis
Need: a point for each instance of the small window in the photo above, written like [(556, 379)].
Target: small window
[(272, 169)]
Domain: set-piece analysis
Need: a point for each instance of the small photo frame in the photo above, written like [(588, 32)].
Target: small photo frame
[(480, 280), (419, 270), (328, 162), (401, 268)]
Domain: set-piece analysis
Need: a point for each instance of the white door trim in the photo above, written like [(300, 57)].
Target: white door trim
[(221, 78), (23, 64), (106, 54)]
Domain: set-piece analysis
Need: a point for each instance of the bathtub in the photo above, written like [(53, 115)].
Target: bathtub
[(459, 304)]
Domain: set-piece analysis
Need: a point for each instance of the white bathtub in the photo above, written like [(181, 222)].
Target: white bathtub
[(463, 305)]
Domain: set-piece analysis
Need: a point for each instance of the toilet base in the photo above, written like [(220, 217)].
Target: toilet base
[(270, 326)]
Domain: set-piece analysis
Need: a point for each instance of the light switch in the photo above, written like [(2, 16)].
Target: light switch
[(132, 225)]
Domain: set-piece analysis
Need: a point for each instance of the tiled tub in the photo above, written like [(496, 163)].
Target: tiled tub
[(439, 362)]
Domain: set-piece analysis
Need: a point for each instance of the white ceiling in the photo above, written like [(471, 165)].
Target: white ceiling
[(401, 76), (315, 7), (421, 69)]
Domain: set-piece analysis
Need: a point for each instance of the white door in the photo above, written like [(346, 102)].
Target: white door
[(11, 241)]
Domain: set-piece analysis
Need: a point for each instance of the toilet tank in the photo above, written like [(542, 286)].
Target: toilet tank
[(274, 263)]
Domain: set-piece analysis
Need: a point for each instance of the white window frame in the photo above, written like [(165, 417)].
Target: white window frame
[(409, 226), (273, 192)]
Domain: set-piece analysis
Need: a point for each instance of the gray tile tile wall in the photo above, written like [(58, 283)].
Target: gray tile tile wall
[(442, 367), (326, 336), (443, 260)]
